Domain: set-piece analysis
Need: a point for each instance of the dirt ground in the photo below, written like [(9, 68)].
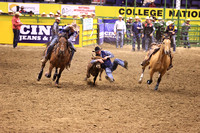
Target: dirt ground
[(124, 106)]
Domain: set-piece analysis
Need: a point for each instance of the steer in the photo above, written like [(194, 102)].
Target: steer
[(94, 69)]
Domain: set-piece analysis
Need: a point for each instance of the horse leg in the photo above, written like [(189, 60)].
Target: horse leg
[(151, 76), (48, 75), (59, 75), (159, 79), (101, 71), (41, 72), (55, 74), (142, 75)]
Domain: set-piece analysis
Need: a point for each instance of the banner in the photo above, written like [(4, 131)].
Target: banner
[(101, 34), (109, 35), (88, 24), (27, 7), (77, 10), (142, 12), (37, 34)]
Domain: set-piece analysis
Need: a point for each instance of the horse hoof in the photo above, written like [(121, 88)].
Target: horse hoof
[(156, 88), (54, 77), (47, 75), (140, 81), (149, 82)]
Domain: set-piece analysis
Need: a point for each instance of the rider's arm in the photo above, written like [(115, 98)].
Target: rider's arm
[(109, 54)]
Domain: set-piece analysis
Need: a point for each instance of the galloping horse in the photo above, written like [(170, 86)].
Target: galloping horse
[(60, 57), (159, 62)]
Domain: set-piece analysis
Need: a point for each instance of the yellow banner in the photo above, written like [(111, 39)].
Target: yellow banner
[(106, 11)]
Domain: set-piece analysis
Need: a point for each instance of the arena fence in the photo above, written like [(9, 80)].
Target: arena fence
[(193, 34), (43, 25)]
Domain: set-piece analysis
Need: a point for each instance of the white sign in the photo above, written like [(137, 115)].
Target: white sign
[(88, 24), (178, 4), (35, 8), (77, 10)]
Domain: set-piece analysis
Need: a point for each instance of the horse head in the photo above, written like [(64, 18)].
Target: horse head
[(62, 45), (167, 46)]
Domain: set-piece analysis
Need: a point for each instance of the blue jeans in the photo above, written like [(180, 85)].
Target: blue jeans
[(148, 41), (113, 67), (136, 37), (143, 43), (16, 37), (173, 42), (51, 45), (186, 39), (121, 34)]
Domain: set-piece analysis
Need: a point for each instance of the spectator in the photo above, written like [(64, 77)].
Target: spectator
[(59, 14), (74, 18), (64, 15), (83, 16), (159, 26), (51, 15), (136, 33), (56, 15), (31, 13), (16, 25), (185, 28), (120, 30), (43, 14), (152, 4), (148, 33), (10, 13), (93, 15), (1, 12), (171, 31), (146, 3), (22, 11), (143, 38), (89, 15)]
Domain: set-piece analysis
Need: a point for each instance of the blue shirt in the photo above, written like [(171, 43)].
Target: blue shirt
[(107, 62), (135, 27)]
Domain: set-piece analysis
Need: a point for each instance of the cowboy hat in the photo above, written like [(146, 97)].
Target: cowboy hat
[(169, 22), (51, 13), (137, 17), (130, 18), (159, 18), (97, 48), (188, 19), (147, 17), (17, 13), (120, 16), (75, 26), (57, 18)]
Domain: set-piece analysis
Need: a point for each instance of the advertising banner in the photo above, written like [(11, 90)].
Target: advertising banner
[(27, 7), (37, 34), (109, 35), (101, 34), (77, 10), (142, 12), (88, 24)]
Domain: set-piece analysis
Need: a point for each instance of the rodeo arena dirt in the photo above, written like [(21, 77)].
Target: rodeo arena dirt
[(27, 105)]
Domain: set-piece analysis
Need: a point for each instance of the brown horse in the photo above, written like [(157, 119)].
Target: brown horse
[(159, 62), (60, 57), (94, 69)]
